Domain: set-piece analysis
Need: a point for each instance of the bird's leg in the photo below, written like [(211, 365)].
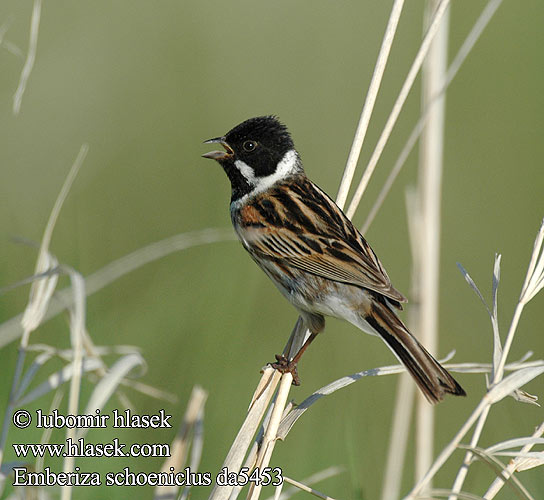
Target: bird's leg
[(283, 365)]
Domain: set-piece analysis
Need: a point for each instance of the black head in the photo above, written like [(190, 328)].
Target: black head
[(257, 152)]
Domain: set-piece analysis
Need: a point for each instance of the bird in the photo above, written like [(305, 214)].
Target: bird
[(311, 250)]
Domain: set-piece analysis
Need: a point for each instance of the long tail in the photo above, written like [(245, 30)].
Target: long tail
[(431, 377)]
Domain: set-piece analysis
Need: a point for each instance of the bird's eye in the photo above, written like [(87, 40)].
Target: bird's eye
[(249, 145)]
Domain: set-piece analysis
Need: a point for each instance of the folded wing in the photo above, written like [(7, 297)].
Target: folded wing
[(299, 225)]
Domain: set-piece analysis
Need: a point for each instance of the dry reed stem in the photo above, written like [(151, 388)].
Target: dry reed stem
[(398, 440), (182, 441), (495, 465), (428, 247), (499, 482), (270, 435), (308, 481), (395, 459), (447, 451), (500, 388), (465, 49), (498, 369), (77, 328), (39, 295), (397, 107), (239, 447), (534, 276), (443, 493), (368, 106), (46, 435), (281, 400), (261, 398), (41, 292), (463, 470), (291, 417), (12, 329), (405, 398), (30, 57), (307, 489), (107, 385)]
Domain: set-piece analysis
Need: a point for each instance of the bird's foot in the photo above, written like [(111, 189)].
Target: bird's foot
[(283, 365)]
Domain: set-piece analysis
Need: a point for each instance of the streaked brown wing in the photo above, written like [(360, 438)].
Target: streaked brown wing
[(298, 224)]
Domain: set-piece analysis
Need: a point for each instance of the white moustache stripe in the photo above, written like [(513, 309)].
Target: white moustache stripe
[(289, 164), (246, 171)]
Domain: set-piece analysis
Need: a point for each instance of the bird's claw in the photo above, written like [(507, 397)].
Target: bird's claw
[(283, 365)]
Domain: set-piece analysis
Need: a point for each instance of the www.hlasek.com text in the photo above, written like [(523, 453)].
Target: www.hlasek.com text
[(82, 448)]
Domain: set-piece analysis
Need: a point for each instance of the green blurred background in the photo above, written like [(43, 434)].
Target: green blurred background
[(144, 83)]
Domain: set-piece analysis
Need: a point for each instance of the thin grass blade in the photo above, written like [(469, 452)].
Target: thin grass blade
[(57, 379), (512, 382)]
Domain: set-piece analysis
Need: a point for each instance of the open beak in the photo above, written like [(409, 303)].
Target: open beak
[(218, 155)]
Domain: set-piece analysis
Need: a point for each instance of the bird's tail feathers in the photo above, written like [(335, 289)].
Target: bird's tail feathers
[(430, 376)]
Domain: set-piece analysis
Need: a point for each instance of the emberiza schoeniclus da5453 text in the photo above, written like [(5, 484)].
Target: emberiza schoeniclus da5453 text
[(311, 251)]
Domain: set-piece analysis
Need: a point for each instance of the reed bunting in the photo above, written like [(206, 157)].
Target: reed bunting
[(311, 251)]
